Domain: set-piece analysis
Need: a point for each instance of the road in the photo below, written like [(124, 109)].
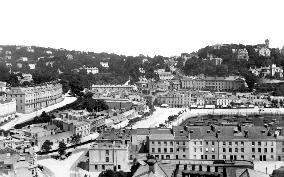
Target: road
[(26, 117)]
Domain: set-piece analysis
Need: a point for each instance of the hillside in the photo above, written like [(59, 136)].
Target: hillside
[(67, 65)]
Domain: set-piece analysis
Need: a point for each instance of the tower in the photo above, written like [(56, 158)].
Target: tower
[(266, 43)]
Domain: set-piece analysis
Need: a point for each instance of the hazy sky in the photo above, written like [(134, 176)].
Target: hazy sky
[(134, 27)]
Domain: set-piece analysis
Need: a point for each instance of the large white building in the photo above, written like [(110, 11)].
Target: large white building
[(7, 109), (112, 156), (33, 98), (93, 70)]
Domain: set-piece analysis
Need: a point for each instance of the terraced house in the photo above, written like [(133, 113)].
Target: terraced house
[(32, 98), (218, 143)]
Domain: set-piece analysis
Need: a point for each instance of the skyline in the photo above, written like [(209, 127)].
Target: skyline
[(128, 27)]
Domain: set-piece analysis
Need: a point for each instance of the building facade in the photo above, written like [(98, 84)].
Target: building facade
[(113, 156), (7, 109), (176, 99), (33, 98), (213, 83)]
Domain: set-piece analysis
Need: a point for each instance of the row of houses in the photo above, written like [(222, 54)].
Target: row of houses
[(199, 99)]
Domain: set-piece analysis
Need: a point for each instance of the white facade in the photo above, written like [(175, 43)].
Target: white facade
[(93, 70), (3, 86), (105, 156), (104, 64), (32, 66), (7, 109)]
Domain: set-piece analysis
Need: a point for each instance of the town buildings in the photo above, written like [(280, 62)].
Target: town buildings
[(92, 70), (271, 70), (263, 49), (14, 164), (104, 64), (113, 156), (229, 83), (7, 109), (33, 98), (111, 88), (241, 54), (76, 127), (176, 99)]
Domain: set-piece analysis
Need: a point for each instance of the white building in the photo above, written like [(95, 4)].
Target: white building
[(263, 49), (48, 52), (105, 156), (104, 64), (23, 59), (267, 70), (30, 49), (93, 70), (32, 66), (7, 109), (3, 86)]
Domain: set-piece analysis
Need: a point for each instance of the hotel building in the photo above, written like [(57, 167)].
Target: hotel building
[(32, 98)]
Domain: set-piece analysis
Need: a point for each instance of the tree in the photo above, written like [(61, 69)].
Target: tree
[(62, 148), (46, 146), (75, 139)]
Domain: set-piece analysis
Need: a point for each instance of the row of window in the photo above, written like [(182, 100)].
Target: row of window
[(165, 143), (166, 150)]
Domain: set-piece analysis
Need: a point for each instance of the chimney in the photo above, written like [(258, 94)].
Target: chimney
[(151, 161), (246, 133), (239, 127)]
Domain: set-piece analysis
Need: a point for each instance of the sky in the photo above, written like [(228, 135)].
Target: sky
[(133, 27)]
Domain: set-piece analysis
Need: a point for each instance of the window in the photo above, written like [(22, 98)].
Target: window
[(107, 159), (230, 149), (224, 143), (165, 149), (259, 143), (252, 143), (184, 156), (206, 149), (224, 157), (282, 149), (236, 149), (242, 150), (183, 143), (153, 149), (230, 143), (265, 150), (96, 167), (271, 149), (195, 149), (200, 149), (107, 152), (206, 142), (213, 150), (177, 143), (177, 149), (159, 143), (153, 142), (103, 167), (242, 157), (171, 150), (159, 149), (165, 143), (171, 143), (253, 157), (253, 149), (272, 156), (224, 149), (205, 156), (213, 156), (183, 149), (162, 156), (118, 167), (213, 143), (194, 142)]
